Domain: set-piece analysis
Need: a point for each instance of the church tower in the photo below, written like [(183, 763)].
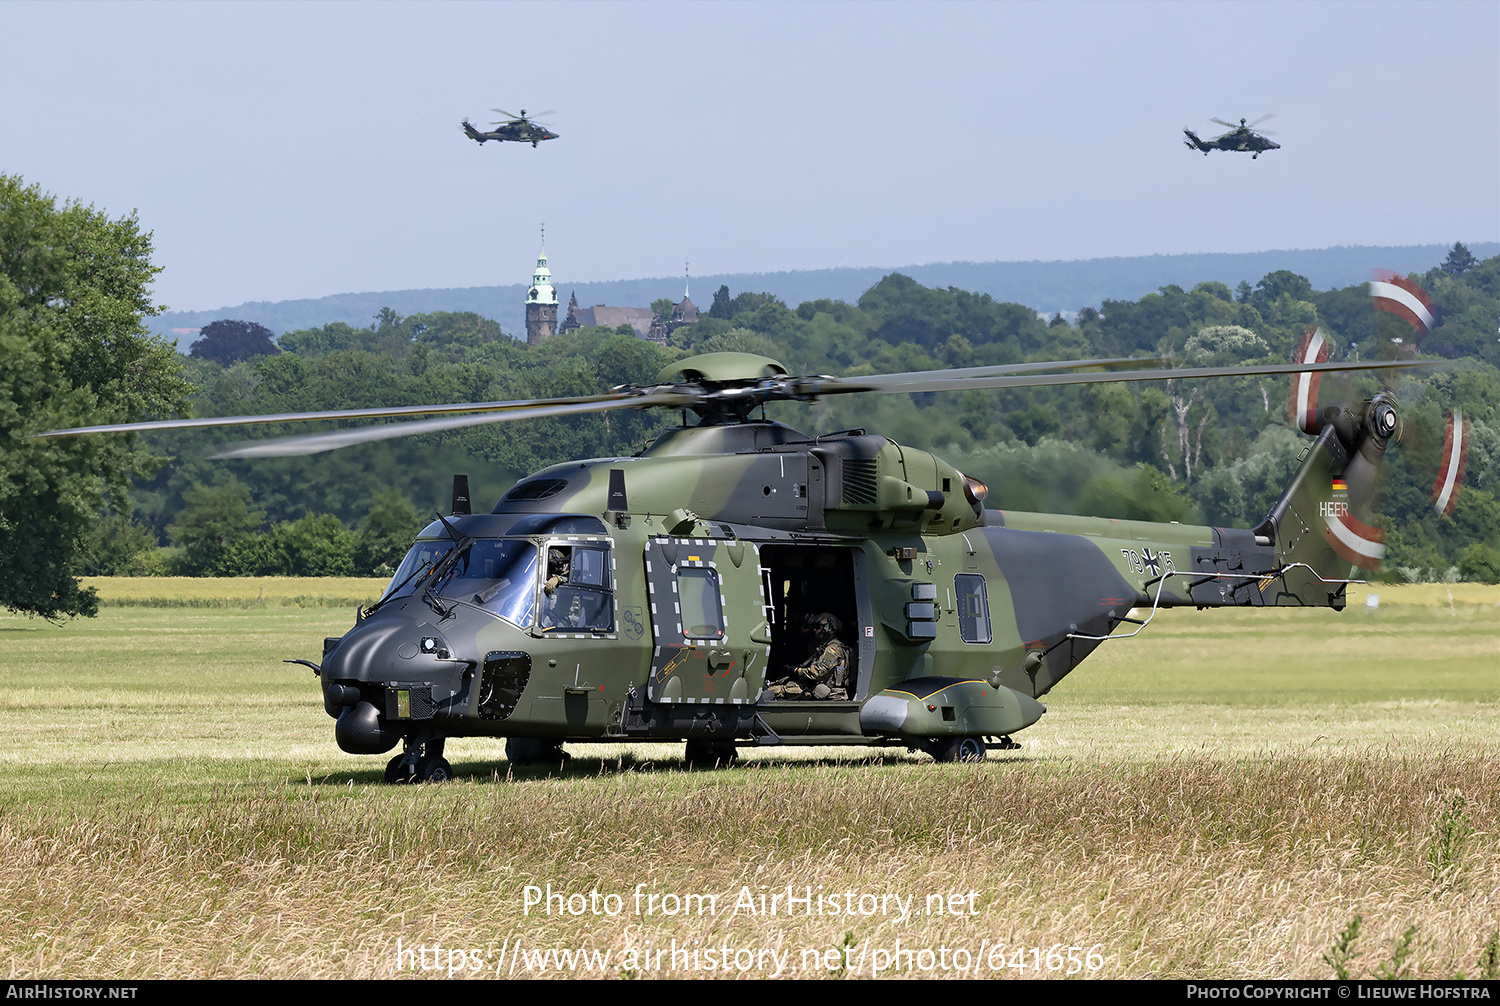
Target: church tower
[(541, 302)]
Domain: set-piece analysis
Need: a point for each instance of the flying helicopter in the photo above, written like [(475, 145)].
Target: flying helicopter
[(1241, 138), (518, 128), (672, 595)]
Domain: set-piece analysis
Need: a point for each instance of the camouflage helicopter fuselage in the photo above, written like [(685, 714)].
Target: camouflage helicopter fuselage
[(655, 597)]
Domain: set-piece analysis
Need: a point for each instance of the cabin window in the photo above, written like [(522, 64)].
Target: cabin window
[(973, 608), (699, 598)]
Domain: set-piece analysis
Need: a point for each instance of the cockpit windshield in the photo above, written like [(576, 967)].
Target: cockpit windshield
[(499, 576)]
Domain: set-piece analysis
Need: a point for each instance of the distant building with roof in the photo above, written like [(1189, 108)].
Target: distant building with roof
[(541, 302), (646, 323), (638, 318)]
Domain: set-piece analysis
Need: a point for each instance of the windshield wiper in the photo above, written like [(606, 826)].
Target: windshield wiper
[(444, 566), (427, 569), (395, 591)]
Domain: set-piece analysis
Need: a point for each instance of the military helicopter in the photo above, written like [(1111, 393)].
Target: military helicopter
[(664, 596), (513, 127), (1241, 137)]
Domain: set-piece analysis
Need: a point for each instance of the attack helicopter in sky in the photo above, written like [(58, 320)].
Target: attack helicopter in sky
[(516, 128), (671, 594), (1241, 138)]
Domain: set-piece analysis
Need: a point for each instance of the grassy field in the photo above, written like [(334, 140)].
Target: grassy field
[(1219, 797)]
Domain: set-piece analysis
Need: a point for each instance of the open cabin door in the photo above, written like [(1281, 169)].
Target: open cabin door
[(711, 640), (805, 581)]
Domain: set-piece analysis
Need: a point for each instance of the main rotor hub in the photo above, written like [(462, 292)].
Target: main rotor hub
[(727, 387)]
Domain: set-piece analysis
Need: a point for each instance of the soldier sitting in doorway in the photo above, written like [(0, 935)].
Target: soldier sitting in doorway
[(825, 672)]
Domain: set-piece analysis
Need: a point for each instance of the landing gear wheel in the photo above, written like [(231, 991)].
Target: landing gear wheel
[(397, 770), (535, 751), (433, 770), (957, 749), (711, 754), (417, 761)]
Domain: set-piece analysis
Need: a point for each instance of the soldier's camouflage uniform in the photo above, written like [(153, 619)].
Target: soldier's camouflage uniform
[(825, 676)]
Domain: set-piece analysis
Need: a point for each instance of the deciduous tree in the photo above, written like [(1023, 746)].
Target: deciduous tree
[(74, 287), (226, 342)]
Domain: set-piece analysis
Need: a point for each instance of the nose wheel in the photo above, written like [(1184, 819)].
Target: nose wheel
[(420, 761)]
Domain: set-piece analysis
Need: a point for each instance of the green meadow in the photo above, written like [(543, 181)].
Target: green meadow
[(1220, 796)]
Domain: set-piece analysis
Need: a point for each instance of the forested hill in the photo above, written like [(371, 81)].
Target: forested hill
[(1048, 287), (1216, 452)]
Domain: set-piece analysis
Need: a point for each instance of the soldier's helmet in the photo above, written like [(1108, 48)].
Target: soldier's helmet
[(824, 626)]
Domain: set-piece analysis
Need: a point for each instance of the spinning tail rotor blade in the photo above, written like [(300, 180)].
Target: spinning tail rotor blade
[(1403, 297), (1450, 477), (1302, 404)]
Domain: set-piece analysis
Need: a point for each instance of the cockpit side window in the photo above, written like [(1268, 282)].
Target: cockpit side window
[(576, 594), (589, 567)]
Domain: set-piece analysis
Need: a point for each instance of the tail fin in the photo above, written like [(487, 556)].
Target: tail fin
[(473, 133), (1320, 526)]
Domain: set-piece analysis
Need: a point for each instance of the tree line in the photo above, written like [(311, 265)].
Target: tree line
[(1211, 451)]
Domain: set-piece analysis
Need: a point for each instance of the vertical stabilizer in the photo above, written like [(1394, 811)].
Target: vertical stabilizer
[(1322, 525)]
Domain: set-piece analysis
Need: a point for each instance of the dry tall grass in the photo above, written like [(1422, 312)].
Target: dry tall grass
[(1182, 868)]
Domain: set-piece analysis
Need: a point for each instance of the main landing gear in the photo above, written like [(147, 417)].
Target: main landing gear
[(966, 749), (702, 753)]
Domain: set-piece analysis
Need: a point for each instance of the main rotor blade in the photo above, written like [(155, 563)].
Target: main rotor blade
[(317, 443), (302, 417), (1263, 118), (837, 386), (898, 382)]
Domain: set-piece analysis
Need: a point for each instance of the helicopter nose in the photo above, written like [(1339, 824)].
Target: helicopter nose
[(386, 648), (371, 650)]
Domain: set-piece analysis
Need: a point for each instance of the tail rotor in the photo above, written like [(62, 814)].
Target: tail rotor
[(1455, 462)]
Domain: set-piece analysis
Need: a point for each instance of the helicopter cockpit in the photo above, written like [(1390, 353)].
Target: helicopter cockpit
[(500, 576)]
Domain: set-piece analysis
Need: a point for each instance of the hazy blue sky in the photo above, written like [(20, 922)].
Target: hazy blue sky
[(297, 149)]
